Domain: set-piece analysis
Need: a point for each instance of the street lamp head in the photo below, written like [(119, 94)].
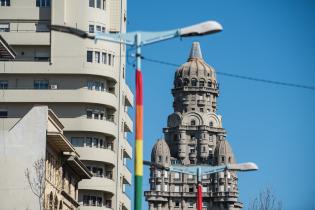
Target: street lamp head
[(208, 27), (243, 167)]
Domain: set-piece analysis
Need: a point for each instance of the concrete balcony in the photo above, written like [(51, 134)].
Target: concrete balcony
[(93, 208), (127, 147), (126, 201), (127, 174), (27, 38), (97, 154), (99, 184), (128, 122), (89, 125), (29, 12), (129, 95), (75, 65), (56, 96)]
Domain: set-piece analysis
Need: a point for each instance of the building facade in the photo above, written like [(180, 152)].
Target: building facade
[(41, 165), (81, 80), (194, 136)]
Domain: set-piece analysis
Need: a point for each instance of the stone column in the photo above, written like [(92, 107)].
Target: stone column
[(151, 206)]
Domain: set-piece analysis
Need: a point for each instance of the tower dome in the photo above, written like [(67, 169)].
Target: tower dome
[(161, 153), (223, 153), (195, 72)]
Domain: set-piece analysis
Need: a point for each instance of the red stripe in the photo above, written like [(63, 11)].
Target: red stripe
[(139, 97), (199, 197)]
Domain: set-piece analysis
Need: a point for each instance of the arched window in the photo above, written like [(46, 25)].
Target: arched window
[(51, 201), (229, 159), (56, 203), (211, 124), (60, 205), (186, 82), (194, 82), (201, 83), (193, 122), (209, 83)]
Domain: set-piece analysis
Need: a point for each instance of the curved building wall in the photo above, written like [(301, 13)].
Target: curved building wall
[(80, 79)]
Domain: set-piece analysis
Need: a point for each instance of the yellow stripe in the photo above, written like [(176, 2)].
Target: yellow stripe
[(139, 158)]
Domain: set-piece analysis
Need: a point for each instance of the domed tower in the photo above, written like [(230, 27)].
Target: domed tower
[(194, 136)]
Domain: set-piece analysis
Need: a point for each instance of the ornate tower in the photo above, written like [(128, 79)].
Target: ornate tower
[(193, 136)]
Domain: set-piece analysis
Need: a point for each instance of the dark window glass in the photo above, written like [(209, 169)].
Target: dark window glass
[(5, 3), (41, 84), (98, 4), (89, 114), (98, 28), (91, 3), (3, 84), (91, 28), (4, 27), (3, 114), (194, 82), (89, 56)]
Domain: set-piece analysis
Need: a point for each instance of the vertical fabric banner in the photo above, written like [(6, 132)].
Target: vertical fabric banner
[(139, 141)]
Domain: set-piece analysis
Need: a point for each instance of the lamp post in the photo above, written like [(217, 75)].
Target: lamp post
[(200, 170), (139, 39)]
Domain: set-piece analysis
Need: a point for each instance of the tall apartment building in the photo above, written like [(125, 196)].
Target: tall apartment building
[(194, 136), (82, 81)]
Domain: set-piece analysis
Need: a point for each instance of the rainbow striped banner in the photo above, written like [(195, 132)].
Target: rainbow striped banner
[(139, 141)]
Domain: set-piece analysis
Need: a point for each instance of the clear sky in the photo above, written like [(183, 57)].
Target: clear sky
[(271, 125)]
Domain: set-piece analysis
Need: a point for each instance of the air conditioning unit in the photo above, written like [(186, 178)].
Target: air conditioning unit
[(54, 87)]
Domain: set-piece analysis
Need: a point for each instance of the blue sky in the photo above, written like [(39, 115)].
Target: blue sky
[(267, 124)]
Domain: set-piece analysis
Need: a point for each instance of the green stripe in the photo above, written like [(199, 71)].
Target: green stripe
[(138, 192)]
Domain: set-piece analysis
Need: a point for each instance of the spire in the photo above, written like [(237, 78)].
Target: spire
[(195, 51)]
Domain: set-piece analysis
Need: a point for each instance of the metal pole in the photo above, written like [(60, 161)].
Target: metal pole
[(199, 190), (139, 128)]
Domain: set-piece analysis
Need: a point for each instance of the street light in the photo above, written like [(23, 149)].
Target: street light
[(200, 170), (139, 39)]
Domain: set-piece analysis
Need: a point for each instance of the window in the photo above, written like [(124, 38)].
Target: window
[(204, 205), (91, 28), (77, 141), (176, 175), (108, 203), (176, 188), (177, 204), (204, 188), (97, 57), (193, 122), (109, 59), (191, 204), (42, 3), (104, 58), (88, 142), (191, 189), (194, 82), (91, 3), (211, 124), (165, 188), (160, 158), (209, 83), (98, 28), (98, 4), (103, 29), (41, 84), (3, 113), (5, 3), (104, 4), (201, 83), (42, 27), (89, 56), (89, 114), (4, 84), (4, 27)]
